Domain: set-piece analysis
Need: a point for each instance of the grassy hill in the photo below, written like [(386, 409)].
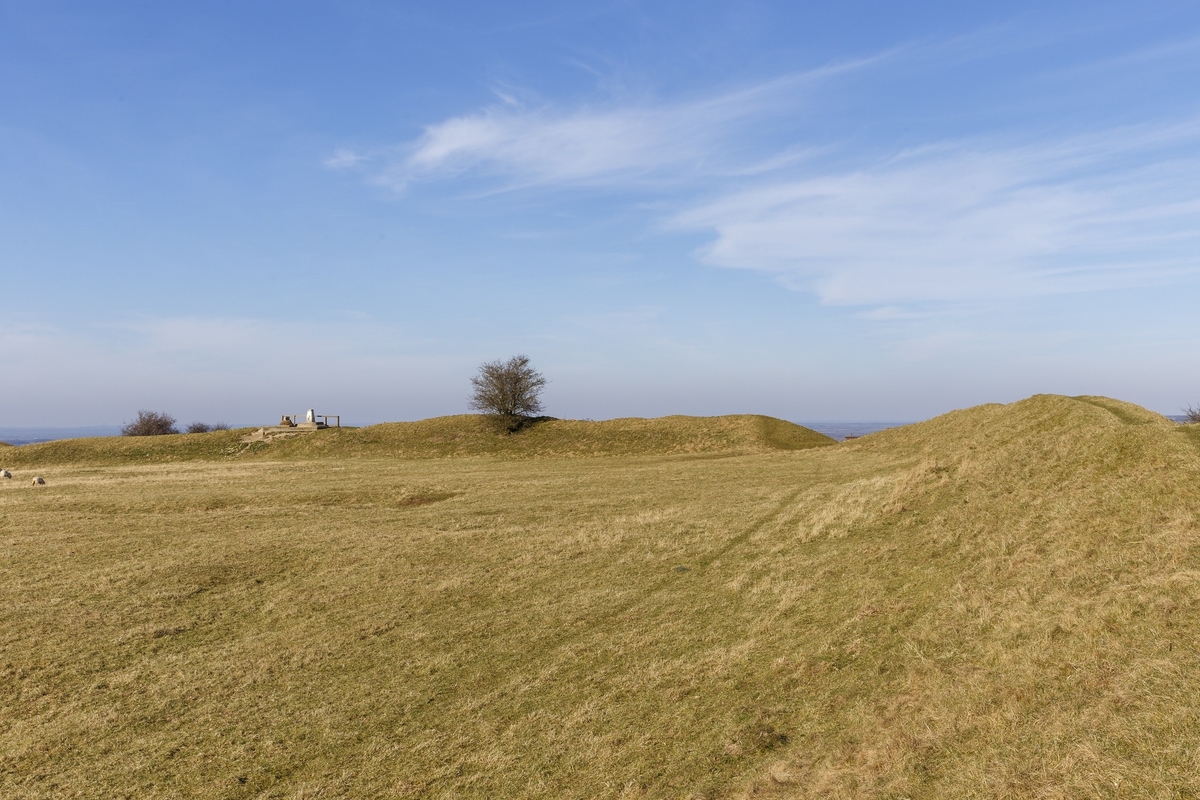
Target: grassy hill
[(442, 437), (1000, 602)]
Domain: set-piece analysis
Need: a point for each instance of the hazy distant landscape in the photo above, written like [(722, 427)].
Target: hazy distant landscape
[(18, 436)]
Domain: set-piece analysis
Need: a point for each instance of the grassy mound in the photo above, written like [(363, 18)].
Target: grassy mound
[(454, 436), (992, 425), (1043, 577), (128, 449), (473, 435), (1000, 602)]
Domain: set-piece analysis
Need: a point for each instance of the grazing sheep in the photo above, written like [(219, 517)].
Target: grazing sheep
[(39, 481), (5, 473)]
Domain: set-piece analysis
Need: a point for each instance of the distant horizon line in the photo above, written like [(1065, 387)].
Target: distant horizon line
[(118, 426), (835, 421)]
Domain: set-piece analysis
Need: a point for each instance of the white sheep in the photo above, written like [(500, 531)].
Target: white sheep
[(39, 481), (5, 473)]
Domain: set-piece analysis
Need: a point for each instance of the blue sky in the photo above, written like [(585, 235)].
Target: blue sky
[(816, 211)]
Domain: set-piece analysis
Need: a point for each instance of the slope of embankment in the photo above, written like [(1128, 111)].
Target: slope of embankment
[(1023, 611), (441, 437)]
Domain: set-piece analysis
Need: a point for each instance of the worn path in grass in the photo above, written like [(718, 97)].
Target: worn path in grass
[(1000, 602)]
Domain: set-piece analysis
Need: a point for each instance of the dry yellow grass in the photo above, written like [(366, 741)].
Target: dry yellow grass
[(1001, 602), (465, 435)]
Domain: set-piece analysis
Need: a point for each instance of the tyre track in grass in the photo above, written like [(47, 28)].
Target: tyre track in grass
[(540, 663), (701, 564)]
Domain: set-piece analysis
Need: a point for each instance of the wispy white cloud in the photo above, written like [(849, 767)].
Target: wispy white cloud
[(342, 158), (963, 222), (524, 146), (952, 221)]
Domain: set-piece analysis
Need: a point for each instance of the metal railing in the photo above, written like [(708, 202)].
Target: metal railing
[(290, 420)]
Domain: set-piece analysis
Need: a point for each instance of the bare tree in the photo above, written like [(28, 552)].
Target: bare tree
[(508, 391), (150, 423), (1192, 414)]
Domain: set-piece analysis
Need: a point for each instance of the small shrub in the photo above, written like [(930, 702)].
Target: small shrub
[(1192, 414), (150, 423), (204, 427)]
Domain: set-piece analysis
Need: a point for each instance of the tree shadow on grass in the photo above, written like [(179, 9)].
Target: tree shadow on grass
[(510, 425)]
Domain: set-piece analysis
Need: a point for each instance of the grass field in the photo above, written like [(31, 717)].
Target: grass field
[(1000, 602)]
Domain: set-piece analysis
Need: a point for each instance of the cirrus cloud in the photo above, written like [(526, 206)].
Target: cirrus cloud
[(955, 220), (965, 221), (637, 144)]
